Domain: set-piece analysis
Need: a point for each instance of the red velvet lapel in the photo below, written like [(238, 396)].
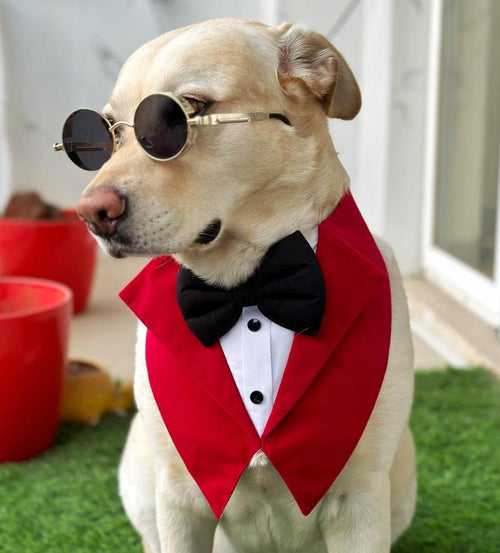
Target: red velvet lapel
[(351, 273)]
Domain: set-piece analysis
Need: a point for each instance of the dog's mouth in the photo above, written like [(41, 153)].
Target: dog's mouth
[(117, 251), (209, 233), (118, 247), (121, 245)]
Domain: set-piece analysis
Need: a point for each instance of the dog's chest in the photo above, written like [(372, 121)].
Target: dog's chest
[(261, 500)]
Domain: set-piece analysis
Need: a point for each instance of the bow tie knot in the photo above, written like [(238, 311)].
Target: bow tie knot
[(247, 293), (287, 287)]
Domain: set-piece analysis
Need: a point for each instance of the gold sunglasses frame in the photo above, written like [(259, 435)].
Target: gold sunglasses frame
[(193, 122)]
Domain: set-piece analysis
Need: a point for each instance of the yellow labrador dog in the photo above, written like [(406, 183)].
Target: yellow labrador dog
[(259, 183)]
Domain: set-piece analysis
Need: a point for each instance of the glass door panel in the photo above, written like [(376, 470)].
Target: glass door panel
[(468, 142)]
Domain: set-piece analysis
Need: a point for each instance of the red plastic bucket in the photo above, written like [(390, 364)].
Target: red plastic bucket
[(60, 250), (34, 329)]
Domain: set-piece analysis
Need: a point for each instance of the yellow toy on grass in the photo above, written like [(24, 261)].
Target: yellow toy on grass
[(89, 393)]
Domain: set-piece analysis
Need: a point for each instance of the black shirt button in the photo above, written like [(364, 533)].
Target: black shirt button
[(256, 397), (254, 325)]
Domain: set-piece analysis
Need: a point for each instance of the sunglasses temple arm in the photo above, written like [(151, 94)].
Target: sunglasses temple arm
[(225, 118)]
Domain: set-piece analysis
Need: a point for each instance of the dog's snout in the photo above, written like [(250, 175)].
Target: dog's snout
[(102, 208)]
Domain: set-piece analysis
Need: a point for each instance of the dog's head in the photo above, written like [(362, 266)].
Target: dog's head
[(238, 188)]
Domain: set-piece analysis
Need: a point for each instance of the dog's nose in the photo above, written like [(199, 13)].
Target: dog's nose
[(102, 208)]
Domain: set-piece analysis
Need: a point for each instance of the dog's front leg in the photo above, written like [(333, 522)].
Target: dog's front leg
[(185, 522), (359, 521)]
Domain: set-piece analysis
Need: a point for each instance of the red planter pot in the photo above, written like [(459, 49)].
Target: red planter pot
[(34, 329), (60, 250)]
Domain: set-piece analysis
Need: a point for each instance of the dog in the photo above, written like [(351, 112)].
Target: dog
[(257, 184)]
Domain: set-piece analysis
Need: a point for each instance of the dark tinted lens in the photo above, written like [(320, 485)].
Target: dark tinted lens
[(87, 139), (160, 126)]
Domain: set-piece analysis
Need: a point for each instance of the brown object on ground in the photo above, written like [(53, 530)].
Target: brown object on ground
[(29, 205), (78, 367), (89, 393)]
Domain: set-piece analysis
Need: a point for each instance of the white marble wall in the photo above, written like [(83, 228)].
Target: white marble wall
[(406, 148), (59, 55)]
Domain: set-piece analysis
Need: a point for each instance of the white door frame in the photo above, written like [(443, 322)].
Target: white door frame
[(479, 293)]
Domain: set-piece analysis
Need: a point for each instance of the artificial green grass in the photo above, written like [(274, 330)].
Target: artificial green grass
[(456, 423), (66, 500)]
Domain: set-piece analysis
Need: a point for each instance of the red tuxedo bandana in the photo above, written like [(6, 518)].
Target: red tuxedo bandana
[(329, 388)]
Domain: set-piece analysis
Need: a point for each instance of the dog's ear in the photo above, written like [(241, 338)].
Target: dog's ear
[(309, 64)]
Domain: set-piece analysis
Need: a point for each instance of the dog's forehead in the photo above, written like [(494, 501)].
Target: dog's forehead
[(218, 59)]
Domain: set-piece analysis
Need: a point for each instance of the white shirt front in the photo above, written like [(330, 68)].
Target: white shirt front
[(257, 350)]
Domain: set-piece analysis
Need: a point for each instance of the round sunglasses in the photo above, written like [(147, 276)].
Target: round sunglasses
[(164, 126)]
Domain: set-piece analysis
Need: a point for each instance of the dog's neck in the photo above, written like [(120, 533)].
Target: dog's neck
[(236, 254)]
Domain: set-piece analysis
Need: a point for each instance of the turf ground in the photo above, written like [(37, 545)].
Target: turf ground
[(66, 500)]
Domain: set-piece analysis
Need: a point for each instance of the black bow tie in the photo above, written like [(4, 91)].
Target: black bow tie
[(287, 287)]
